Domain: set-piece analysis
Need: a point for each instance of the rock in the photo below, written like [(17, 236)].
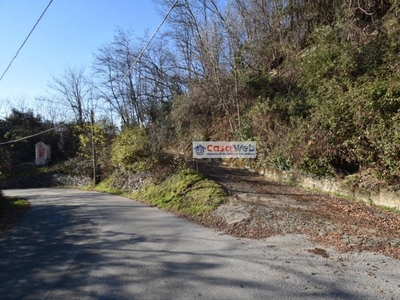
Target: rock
[(233, 213)]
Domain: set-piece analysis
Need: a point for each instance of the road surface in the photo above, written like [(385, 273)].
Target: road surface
[(85, 245)]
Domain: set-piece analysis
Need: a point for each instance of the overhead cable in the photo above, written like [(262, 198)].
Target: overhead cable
[(27, 137), (33, 28), (148, 43), (126, 74)]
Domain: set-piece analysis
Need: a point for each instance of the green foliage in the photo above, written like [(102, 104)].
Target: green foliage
[(91, 135), (10, 205), (280, 162), (326, 75), (1, 194), (67, 142), (321, 93), (1, 177), (106, 186), (18, 125), (95, 143), (134, 150), (316, 168), (353, 95), (15, 126), (186, 192), (346, 106), (244, 132), (74, 166)]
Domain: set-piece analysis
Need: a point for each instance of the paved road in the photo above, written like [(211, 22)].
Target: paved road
[(86, 245)]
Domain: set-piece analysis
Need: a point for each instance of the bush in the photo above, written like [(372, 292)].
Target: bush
[(316, 168), (134, 150)]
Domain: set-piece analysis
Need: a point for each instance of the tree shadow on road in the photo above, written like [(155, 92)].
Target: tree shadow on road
[(62, 251)]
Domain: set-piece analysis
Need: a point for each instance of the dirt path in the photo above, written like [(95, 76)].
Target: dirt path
[(261, 208)]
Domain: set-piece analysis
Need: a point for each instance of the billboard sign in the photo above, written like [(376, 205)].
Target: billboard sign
[(224, 150)]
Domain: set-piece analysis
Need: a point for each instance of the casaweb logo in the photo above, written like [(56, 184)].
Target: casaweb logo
[(244, 148), (224, 149), (199, 149), (231, 148)]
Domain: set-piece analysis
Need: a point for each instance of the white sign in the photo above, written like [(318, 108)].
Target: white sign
[(224, 150)]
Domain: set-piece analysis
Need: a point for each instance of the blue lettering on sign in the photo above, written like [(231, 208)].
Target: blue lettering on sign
[(243, 148)]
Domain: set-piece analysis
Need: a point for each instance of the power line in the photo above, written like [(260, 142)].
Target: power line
[(23, 44), (126, 74), (148, 43), (27, 137)]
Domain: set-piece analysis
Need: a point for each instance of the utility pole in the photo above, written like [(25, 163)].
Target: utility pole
[(93, 148)]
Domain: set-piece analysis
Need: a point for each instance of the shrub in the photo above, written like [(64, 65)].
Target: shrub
[(134, 150), (316, 168)]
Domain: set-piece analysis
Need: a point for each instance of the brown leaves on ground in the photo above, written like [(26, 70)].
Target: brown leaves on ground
[(331, 221), (360, 227)]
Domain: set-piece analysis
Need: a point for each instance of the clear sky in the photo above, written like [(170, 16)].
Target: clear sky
[(69, 34)]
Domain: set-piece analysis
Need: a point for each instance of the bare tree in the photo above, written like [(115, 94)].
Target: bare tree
[(115, 67), (136, 83), (73, 90), (50, 109), (206, 47)]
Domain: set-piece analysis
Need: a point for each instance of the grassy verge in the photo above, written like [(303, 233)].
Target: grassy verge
[(183, 192), (11, 211), (105, 187), (186, 192)]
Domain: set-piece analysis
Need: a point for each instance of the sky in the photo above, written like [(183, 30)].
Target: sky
[(68, 35)]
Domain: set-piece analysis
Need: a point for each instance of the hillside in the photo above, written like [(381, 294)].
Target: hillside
[(315, 83)]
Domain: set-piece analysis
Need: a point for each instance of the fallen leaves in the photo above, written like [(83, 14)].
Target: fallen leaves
[(330, 221)]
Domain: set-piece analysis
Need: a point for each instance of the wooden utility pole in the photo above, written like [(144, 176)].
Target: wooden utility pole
[(93, 148)]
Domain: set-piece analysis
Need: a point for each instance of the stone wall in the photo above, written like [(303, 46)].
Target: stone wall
[(45, 180), (125, 180), (377, 196)]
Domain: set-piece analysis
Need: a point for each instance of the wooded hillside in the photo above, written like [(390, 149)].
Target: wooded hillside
[(315, 83)]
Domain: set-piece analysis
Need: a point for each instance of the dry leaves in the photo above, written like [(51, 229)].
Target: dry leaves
[(343, 224)]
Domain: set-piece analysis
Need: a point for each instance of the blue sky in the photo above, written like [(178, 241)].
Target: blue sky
[(69, 34)]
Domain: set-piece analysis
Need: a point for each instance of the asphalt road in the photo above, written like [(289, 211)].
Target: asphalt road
[(86, 245)]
